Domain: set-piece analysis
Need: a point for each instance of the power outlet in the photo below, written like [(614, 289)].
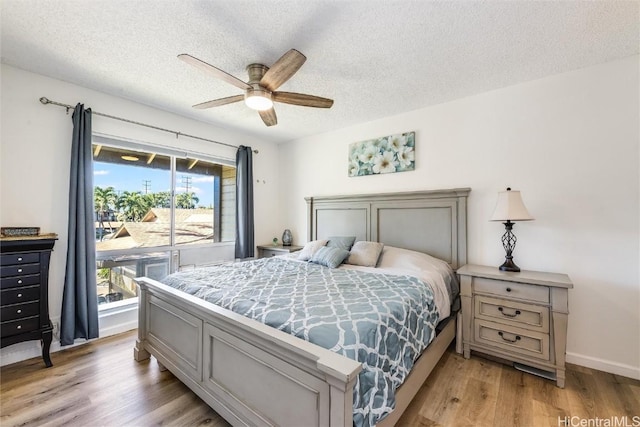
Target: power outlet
[(56, 330)]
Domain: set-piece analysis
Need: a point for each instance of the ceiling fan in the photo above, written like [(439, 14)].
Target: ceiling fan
[(260, 91)]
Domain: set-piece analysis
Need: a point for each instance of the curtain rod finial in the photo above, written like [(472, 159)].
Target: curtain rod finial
[(44, 100)]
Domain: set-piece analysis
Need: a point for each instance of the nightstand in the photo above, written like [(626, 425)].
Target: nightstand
[(266, 251), (520, 317)]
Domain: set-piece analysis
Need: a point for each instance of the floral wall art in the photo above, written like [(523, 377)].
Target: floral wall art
[(393, 153)]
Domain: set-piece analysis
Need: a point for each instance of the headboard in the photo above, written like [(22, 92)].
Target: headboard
[(433, 222)]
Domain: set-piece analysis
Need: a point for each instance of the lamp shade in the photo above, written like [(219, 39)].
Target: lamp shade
[(510, 207)]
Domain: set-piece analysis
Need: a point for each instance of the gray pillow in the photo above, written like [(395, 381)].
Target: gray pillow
[(342, 242), (329, 257), (365, 253)]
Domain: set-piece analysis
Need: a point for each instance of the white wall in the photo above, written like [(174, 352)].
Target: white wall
[(35, 150), (569, 142)]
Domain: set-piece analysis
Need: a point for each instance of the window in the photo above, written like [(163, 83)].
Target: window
[(150, 205)]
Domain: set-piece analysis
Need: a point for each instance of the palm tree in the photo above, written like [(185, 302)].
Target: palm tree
[(104, 200), (161, 199), (133, 206), (187, 200)]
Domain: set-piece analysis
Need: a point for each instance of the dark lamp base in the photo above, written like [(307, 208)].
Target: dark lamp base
[(509, 265)]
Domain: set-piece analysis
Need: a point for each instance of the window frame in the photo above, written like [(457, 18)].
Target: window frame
[(172, 249)]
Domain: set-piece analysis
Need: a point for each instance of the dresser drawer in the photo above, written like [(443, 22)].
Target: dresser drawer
[(512, 340), (19, 295), (20, 258), (19, 270), (506, 289), (18, 311), (528, 316), (20, 326), (15, 281)]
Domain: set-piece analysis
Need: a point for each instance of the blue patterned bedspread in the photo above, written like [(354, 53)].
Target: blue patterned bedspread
[(383, 321)]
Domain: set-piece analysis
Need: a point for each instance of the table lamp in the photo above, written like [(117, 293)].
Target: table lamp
[(510, 208)]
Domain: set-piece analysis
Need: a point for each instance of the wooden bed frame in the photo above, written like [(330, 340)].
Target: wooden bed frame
[(252, 374)]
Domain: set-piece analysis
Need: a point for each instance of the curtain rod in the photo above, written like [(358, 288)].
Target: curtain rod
[(46, 101)]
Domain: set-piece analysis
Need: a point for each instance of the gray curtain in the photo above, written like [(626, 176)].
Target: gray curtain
[(80, 300), (244, 203)]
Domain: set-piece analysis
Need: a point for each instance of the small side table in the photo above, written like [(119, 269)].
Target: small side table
[(265, 251), (520, 317)]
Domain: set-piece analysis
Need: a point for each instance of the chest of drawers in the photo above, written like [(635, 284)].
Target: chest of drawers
[(520, 317), (24, 297)]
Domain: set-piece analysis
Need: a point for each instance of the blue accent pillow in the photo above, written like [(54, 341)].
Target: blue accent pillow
[(329, 257), (342, 242)]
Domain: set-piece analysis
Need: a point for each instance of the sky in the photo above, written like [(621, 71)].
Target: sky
[(132, 178)]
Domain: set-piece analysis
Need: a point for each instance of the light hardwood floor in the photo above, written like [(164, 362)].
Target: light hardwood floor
[(99, 384)]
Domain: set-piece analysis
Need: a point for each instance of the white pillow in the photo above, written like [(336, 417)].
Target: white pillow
[(365, 254), (311, 248)]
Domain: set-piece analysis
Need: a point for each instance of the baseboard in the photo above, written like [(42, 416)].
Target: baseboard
[(604, 365)]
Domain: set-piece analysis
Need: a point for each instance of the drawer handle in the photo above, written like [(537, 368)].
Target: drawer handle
[(19, 295), (19, 327), (19, 270), (517, 338), (19, 311), (19, 281), (516, 314), (19, 258), (508, 289)]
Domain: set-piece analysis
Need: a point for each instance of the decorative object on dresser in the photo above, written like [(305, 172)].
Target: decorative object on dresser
[(19, 231), (520, 317), (24, 305), (287, 238), (510, 208), (265, 251)]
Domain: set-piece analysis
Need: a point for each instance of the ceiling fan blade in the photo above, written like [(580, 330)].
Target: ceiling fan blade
[(302, 99), (269, 117), (283, 69), (208, 68), (219, 102)]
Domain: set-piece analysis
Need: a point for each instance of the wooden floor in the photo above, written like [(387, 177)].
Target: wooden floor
[(99, 384)]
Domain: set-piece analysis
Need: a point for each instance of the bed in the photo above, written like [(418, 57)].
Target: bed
[(237, 364)]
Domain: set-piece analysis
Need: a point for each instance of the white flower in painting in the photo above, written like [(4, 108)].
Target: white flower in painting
[(397, 142), (406, 156), (369, 152), (385, 163), (354, 151), (354, 167)]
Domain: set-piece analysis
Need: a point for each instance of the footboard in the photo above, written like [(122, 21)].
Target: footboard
[(250, 373)]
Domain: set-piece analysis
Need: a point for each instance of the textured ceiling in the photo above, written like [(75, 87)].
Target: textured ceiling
[(374, 58)]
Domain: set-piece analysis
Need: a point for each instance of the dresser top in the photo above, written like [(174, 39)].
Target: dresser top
[(4, 238), (532, 277)]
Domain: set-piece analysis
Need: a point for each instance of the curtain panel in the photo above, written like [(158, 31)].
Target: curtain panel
[(244, 203), (80, 300)]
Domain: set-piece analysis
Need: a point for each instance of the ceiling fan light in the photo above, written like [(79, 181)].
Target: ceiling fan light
[(258, 99)]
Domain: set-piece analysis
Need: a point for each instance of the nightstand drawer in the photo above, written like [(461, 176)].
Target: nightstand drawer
[(266, 253), (528, 316), (516, 340), (511, 289)]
